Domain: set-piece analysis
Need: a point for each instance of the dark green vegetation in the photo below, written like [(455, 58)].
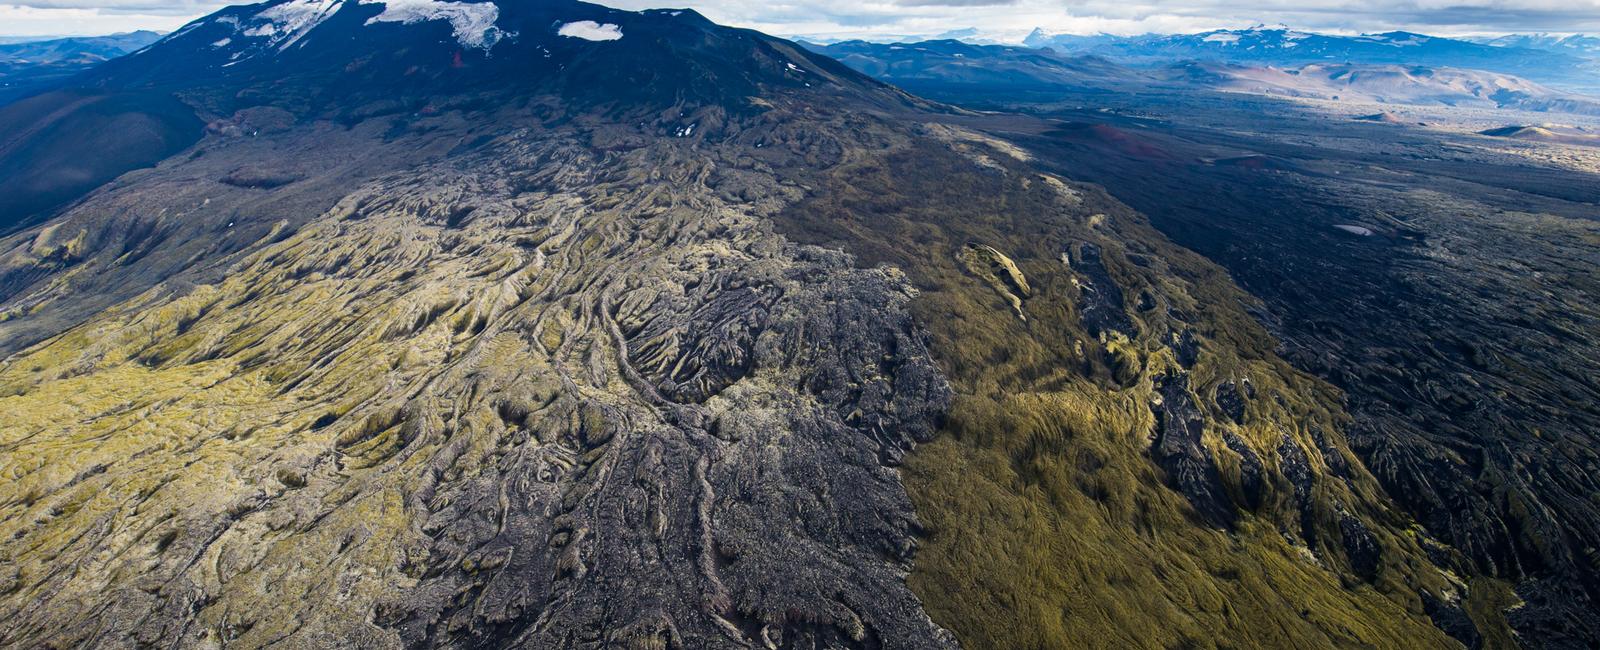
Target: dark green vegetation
[(693, 339)]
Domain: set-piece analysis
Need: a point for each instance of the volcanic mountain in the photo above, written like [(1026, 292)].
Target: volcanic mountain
[(548, 325)]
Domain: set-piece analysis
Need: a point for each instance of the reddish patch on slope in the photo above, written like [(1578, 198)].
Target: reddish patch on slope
[(1253, 162), (1104, 137)]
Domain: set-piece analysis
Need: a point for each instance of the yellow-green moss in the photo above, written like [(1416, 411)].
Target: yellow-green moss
[(1047, 524)]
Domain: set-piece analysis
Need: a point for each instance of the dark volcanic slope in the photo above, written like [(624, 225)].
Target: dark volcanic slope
[(1460, 329), (546, 325), (1447, 291), (58, 146)]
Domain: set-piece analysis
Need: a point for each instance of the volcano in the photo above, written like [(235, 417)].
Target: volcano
[(548, 325)]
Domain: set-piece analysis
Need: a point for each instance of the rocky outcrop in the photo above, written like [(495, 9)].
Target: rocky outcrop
[(1101, 302), (999, 272), (1178, 449)]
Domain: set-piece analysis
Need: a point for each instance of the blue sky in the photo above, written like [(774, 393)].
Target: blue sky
[(999, 19)]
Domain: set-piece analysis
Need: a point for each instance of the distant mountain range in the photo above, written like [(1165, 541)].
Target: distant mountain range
[(958, 62), (1580, 45), (942, 64), (29, 65), (1385, 84), (75, 49), (1562, 62)]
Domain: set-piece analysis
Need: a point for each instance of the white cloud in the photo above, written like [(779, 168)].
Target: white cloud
[(18, 20)]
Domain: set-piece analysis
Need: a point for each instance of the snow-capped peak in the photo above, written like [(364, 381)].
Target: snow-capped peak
[(1259, 36), (1398, 39)]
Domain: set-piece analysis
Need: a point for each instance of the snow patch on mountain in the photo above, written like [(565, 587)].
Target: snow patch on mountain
[(285, 24), (188, 28), (591, 31), (1404, 40), (1577, 44), (472, 22)]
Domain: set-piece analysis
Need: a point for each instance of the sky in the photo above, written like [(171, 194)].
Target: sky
[(1002, 20)]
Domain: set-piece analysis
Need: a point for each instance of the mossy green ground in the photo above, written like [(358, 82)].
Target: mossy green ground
[(1047, 524), (159, 429)]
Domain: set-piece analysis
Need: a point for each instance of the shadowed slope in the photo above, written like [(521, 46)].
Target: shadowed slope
[(57, 147)]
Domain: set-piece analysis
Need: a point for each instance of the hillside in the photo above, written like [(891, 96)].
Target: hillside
[(550, 325)]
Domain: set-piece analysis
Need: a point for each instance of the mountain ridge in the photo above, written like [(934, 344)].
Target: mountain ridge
[(947, 63), (31, 66), (1284, 46)]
